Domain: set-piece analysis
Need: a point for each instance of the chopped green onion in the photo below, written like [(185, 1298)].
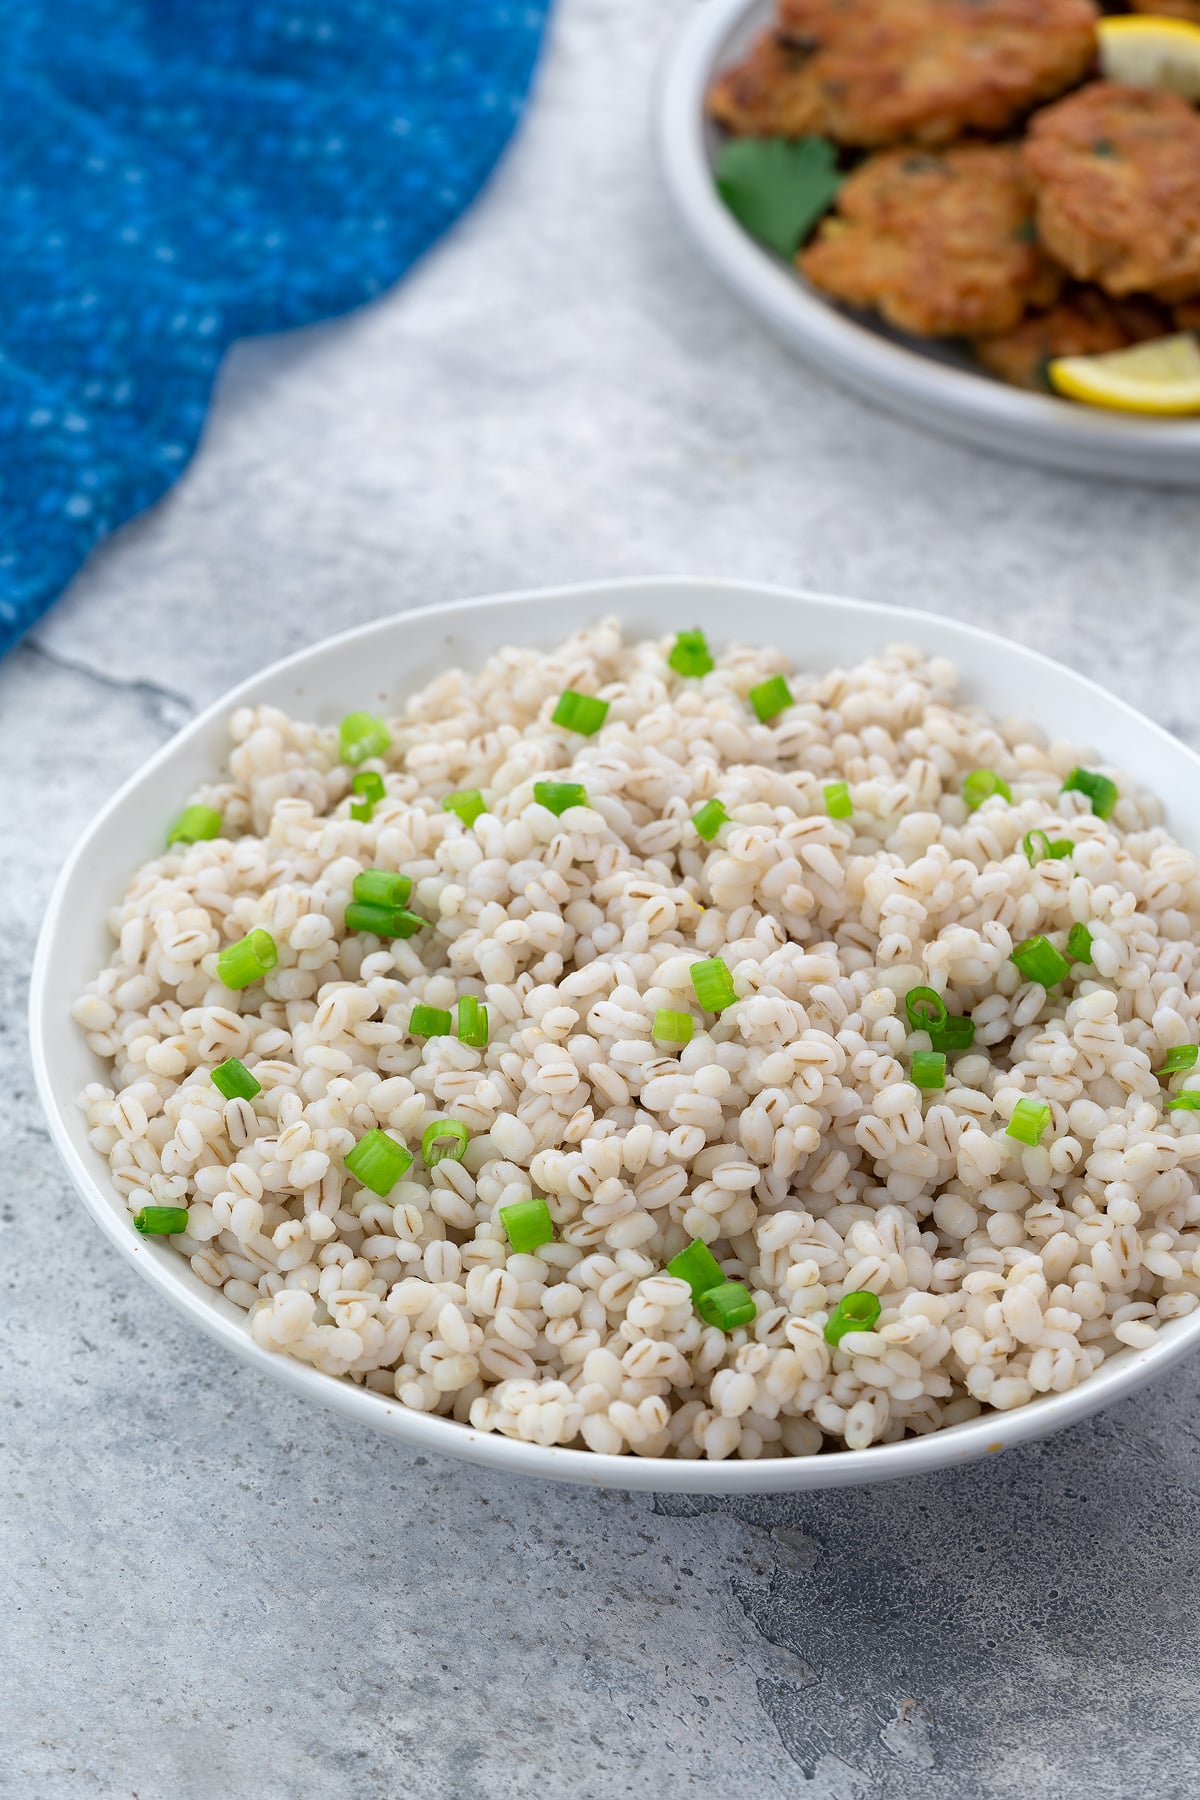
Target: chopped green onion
[(429, 1021), (853, 1312), (444, 1138), (673, 1027), (1185, 1102), (579, 712), (691, 655), (1029, 1120), (527, 1225), (928, 1069), (195, 825), (838, 803), (1038, 847), (981, 784), (472, 1022), (233, 1079), (379, 887), (726, 1306), (1184, 1056), (1038, 960), (709, 820), (1102, 792), (467, 803), (161, 1221), (248, 960), (1079, 943), (370, 783), (378, 1162), (361, 735), (557, 796), (925, 1008), (698, 1267), (770, 698), (713, 984), (954, 1033), (384, 921)]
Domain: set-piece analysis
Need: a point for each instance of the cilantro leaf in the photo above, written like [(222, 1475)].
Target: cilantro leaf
[(778, 187)]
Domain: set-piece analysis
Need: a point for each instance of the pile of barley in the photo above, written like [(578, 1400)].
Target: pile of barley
[(786, 1134)]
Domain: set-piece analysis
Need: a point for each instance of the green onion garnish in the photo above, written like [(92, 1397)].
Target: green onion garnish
[(1038, 960), (1186, 1102), (955, 1033), (1030, 1118), (673, 1027), (709, 820), (234, 1080), (726, 1306), (378, 1162), (527, 1225), (579, 712), (1184, 1056), (1038, 847), (1099, 789), (925, 1008), (379, 887), (853, 1312), (361, 735), (369, 783), (770, 698), (444, 1138), (713, 984), (698, 1267), (161, 1221), (195, 825), (838, 803), (1079, 943), (691, 655), (384, 921), (429, 1021), (248, 960), (928, 1069), (981, 784), (472, 1022), (467, 803), (556, 796)]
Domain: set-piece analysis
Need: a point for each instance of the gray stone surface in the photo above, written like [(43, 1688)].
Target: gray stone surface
[(214, 1592)]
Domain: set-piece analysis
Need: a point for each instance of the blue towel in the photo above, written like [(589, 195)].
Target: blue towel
[(175, 174)]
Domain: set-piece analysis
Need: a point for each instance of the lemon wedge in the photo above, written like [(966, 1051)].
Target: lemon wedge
[(1151, 52), (1162, 376)]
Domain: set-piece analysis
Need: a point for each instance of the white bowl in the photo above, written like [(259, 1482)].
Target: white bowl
[(934, 384), (377, 666)]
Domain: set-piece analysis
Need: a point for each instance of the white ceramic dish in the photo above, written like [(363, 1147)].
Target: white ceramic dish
[(932, 384), (402, 653)]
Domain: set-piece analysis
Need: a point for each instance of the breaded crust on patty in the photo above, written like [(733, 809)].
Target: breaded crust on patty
[(1085, 321), (870, 72), (940, 244), (1116, 171)]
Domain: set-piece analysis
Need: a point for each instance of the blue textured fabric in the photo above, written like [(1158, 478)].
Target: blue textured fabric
[(175, 174)]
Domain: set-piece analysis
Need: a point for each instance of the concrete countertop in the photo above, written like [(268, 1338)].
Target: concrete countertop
[(213, 1591)]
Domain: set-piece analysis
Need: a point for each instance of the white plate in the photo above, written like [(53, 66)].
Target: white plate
[(377, 666), (933, 384)]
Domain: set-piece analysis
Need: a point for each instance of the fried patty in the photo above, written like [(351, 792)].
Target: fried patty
[(1116, 171), (1169, 9), (871, 72), (941, 244), (1085, 321)]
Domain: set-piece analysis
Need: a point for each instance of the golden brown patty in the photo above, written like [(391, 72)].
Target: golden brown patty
[(1170, 9), (868, 72), (941, 245), (1084, 322), (1116, 171)]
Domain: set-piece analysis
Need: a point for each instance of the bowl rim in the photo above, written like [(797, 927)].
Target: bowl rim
[(874, 364), (171, 1276)]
